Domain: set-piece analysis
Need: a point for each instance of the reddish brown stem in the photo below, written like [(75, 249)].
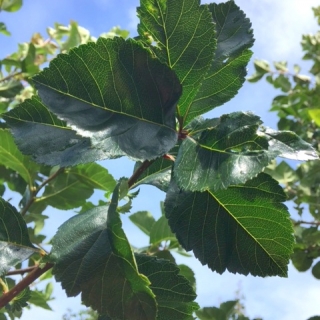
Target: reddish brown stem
[(138, 172), (21, 271), (24, 283)]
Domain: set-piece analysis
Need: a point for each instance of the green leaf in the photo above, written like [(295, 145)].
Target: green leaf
[(315, 115), (92, 255), (124, 102), (158, 174), (9, 89), (10, 5), (187, 272), (15, 245), (289, 145), (282, 82), (95, 176), (67, 191), (262, 66), (232, 152), (28, 63), (41, 134), (160, 231), (185, 37), (244, 229), (74, 38), (301, 260), (39, 299), (174, 295), (4, 30), (228, 70), (12, 158), (143, 220), (211, 313), (316, 270)]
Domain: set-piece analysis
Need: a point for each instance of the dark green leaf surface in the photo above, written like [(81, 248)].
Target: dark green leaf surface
[(158, 174), (316, 270), (228, 70), (92, 256), (115, 93), (230, 153), (188, 273), (174, 295), (11, 157), (15, 245), (143, 220), (185, 36), (244, 229), (41, 134), (10, 89)]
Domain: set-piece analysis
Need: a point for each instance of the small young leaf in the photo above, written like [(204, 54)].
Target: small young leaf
[(143, 220), (161, 231)]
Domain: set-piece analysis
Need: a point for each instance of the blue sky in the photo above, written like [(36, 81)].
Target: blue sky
[(278, 26)]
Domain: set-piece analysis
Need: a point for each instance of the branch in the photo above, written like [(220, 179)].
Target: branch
[(313, 223), (8, 77), (36, 191), (21, 271), (138, 172), (24, 283)]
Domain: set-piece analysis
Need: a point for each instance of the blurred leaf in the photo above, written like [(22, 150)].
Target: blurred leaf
[(315, 115), (262, 66), (38, 299), (281, 66), (282, 82), (174, 295), (244, 229), (192, 58), (10, 5), (15, 245), (9, 89), (95, 241), (4, 30), (143, 220), (301, 260), (316, 270)]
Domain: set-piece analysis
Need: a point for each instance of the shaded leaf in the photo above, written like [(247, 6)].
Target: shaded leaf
[(9, 89), (143, 220), (124, 101), (244, 229), (187, 272), (316, 270), (211, 313), (174, 295), (232, 152), (15, 245), (228, 70), (92, 256), (39, 299), (160, 231), (185, 37)]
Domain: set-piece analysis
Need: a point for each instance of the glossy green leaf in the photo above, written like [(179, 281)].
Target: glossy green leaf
[(11, 157), (41, 134), (143, 220), (9, 89), (185, 37), (15, 245), (10, 5), (158, 174), (244, 229), (232, 152), (316, 270), (125, 101), (289, 145), (92, 255), (228, 70), (174, 295), (161, 231)]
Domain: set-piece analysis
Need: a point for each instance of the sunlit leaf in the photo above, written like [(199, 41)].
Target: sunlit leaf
[(244, 229)]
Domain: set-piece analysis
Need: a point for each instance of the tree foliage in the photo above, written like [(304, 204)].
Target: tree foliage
[(142, 98)]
